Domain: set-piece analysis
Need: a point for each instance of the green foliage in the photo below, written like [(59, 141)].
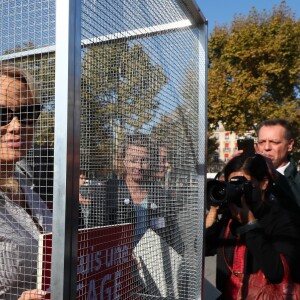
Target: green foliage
[(24, 47), (212, 147), (119, 89), (254, 70), (174, 131), (178, 130), (124, 82), (44, 129)]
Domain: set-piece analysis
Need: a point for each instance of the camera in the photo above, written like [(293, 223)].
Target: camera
[(221, 193), (247, 145)]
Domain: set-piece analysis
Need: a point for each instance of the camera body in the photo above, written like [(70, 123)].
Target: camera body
[(221, 193), (247, 145)]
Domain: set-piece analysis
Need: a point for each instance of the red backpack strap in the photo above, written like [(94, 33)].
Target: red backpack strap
[(239, 254)]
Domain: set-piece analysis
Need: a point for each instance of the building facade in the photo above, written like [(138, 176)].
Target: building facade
[(228, 142)]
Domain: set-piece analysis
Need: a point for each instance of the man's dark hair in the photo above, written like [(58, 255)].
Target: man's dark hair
[(273, 122), (255, 166), (83, 172), (234, 165), (136, 139)]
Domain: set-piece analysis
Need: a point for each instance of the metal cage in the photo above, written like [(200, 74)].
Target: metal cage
[(117, 153)]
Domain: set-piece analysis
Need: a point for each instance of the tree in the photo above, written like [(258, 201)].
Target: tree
[(179, 131), (254, 71), (123, 80), (119, 88), (212, 147), (190, 92), (173, 130), (18, 48)]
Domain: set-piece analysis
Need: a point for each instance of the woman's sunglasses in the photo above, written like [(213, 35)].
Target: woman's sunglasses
[(26, 116)]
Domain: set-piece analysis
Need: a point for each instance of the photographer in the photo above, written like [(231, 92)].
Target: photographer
[(255, 234)]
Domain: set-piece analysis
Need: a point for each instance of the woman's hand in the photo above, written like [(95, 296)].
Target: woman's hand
[(211, 216), (33, 295), (242, 214)]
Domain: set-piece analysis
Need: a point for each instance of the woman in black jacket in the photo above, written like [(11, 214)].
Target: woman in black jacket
[(251, 217)]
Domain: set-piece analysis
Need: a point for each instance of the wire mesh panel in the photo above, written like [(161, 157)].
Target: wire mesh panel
[(139, 150), (139, 185), (27, 128)]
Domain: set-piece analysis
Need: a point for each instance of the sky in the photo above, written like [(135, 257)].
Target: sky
[(221, 12)]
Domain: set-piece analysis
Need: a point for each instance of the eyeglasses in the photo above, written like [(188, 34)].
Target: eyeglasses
[(26, 116)]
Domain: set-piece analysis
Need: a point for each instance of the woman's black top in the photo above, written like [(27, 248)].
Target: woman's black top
[(279, 233)]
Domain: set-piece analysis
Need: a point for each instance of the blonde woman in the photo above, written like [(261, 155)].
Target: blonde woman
[(23, 215)]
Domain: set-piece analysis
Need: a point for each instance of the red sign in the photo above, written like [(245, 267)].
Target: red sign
[(104, 262)]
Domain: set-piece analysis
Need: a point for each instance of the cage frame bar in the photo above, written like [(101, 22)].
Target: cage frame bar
[(66, 149)]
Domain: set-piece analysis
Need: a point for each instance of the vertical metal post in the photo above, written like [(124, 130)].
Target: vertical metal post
[(66, 152), (202, 115)]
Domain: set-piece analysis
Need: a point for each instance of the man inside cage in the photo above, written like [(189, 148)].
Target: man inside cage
[(164, 166), (84, 201), (135, 196)]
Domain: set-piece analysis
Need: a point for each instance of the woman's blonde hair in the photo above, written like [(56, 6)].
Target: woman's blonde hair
[(9, 184), (25, 78)]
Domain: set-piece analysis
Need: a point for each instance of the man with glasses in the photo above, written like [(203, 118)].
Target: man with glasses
[(136, 197)]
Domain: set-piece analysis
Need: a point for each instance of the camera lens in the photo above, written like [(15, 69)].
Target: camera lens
[(218, 192)]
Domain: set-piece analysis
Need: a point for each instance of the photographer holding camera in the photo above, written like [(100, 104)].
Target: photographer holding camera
[(257, 241)]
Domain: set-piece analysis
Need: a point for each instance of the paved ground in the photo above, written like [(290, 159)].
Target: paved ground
[(210, 291), (210, 269)]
